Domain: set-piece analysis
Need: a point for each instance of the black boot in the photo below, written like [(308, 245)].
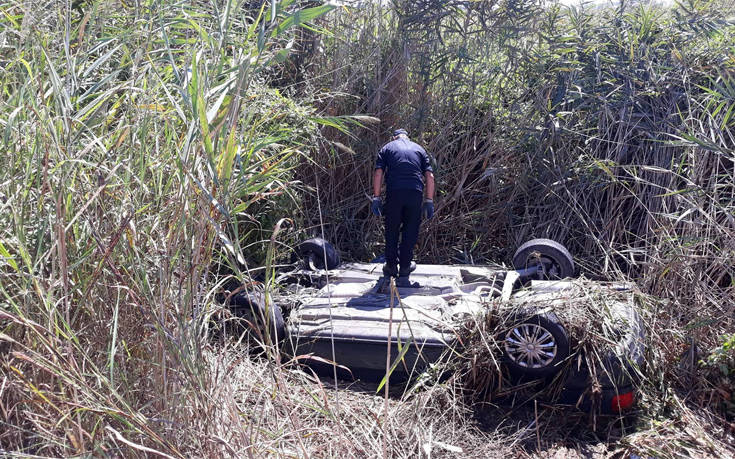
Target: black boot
[(390, 270), (405, 282), (406, 272)]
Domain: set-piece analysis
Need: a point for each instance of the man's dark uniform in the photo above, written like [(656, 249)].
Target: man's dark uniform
[(404, 163)]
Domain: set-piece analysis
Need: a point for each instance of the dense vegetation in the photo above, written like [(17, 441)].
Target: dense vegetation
[(154, 152)]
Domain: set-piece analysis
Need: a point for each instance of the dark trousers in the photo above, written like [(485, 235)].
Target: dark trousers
[(402, 215)]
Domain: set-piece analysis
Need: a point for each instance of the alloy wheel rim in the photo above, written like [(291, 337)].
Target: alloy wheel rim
[(530, 345)]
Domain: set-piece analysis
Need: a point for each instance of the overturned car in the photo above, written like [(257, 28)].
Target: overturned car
[(534, 317)]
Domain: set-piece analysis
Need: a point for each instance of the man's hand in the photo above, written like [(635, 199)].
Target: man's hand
[(377, 206), (428, 209)]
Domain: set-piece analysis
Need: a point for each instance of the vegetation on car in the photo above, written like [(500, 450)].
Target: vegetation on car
[(156, 152)]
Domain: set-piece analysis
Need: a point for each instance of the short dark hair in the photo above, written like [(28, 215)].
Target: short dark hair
[(400, 131)]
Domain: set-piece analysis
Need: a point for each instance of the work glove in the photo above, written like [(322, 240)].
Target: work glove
[(428, 209), (377, 206)]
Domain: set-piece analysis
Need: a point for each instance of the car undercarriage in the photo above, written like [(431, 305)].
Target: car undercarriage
[(352, 318)]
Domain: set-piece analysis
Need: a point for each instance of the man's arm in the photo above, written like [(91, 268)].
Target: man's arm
[(378, 181), (429, 178)]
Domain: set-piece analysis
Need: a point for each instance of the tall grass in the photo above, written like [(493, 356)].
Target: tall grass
[(141, 150), (607, 129), (151, 151)]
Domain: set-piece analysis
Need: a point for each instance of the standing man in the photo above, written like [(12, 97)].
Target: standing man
[(406, 168)]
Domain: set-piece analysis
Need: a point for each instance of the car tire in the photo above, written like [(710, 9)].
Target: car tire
[(315, 252), (266, 324), (535, 345), (554, 257)]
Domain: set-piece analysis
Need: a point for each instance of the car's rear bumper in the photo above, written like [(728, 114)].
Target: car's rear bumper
[(608, 401)]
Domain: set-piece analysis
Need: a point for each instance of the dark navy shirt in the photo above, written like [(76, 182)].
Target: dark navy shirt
[(404, 163)]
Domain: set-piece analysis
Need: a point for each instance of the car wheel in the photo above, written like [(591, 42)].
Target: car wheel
[(265, 322), (553, 259), (315, 252), (535, 345)]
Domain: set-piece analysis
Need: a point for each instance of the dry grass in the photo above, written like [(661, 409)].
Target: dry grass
[(145, 154), (608, 130)]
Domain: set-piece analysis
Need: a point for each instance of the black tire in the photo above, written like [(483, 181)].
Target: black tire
[(314, 252), (542, 360), (266, 324), (555, 259)]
